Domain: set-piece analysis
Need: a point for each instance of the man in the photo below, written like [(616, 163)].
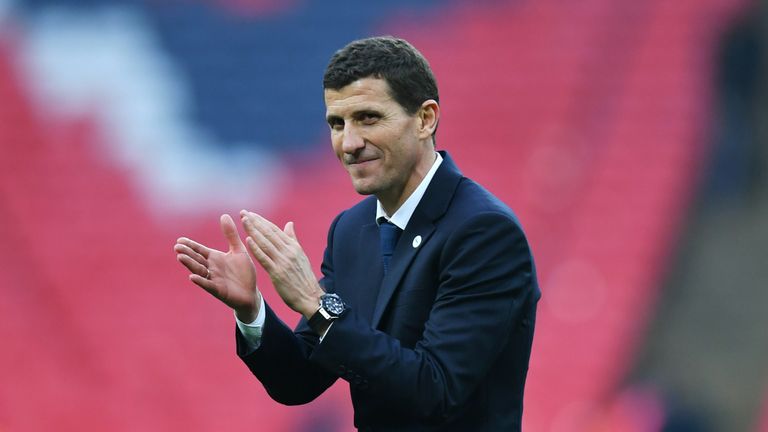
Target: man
[(428, 297)]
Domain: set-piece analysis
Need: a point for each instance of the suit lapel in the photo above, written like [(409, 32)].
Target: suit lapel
[(432, 206)]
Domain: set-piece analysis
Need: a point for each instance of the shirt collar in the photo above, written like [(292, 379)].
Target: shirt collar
[(404, 213)]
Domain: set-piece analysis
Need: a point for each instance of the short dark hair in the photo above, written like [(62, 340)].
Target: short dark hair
[(396, 61)]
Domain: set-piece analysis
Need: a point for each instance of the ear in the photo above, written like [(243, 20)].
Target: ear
[(429, 115)]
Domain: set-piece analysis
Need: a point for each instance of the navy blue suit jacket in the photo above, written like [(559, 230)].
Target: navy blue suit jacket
[(442, 341)]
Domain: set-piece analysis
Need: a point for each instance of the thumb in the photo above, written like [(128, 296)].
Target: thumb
[(229, 229), (290, 231)]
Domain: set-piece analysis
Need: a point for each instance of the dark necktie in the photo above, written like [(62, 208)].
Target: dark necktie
[(389, 234)]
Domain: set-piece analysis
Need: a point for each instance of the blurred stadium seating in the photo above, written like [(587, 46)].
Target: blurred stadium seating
[(124, 125)]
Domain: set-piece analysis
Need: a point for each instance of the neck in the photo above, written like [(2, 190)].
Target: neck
[(391, 201)]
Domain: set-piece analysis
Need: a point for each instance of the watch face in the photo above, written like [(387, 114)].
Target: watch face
[(333, 304)]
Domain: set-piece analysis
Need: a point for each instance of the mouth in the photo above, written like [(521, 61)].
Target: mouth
[(361, 162)]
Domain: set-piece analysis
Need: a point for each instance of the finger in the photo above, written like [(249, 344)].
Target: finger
[(289, 230), (186, 250), (192, 265), (206, 284), (257, 233), (259, 254), (229, 229), (267, 228), (273, 229), (195, 246)]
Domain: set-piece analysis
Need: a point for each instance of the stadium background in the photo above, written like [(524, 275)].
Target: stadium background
[(627, 135)]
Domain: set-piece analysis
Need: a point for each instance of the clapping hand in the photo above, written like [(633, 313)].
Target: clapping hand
[(281, 255), (229, 276)]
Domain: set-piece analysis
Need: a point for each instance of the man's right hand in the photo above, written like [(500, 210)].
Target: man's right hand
[(230, 276)]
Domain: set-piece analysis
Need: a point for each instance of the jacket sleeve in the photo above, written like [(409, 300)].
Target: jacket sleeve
[(485, 289), (282, 362)]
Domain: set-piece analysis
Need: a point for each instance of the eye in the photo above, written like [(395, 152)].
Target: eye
[(368, 118), (336, 123)]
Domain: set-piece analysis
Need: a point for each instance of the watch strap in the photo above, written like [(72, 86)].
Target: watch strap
[(320, 320)]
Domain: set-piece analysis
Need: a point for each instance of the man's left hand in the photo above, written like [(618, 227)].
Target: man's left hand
[(280, 254)]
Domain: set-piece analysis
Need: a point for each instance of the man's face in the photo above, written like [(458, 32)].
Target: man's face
[(382, 147)]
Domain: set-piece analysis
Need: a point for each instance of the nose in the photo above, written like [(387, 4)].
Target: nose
[(351, 142)]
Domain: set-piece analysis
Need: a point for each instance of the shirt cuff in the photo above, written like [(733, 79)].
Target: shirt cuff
[(252, 331)]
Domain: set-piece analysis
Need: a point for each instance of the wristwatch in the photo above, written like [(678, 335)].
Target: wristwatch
[(331, 308)]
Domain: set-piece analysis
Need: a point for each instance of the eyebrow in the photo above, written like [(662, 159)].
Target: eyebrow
[(355, 114), (367, 111)]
